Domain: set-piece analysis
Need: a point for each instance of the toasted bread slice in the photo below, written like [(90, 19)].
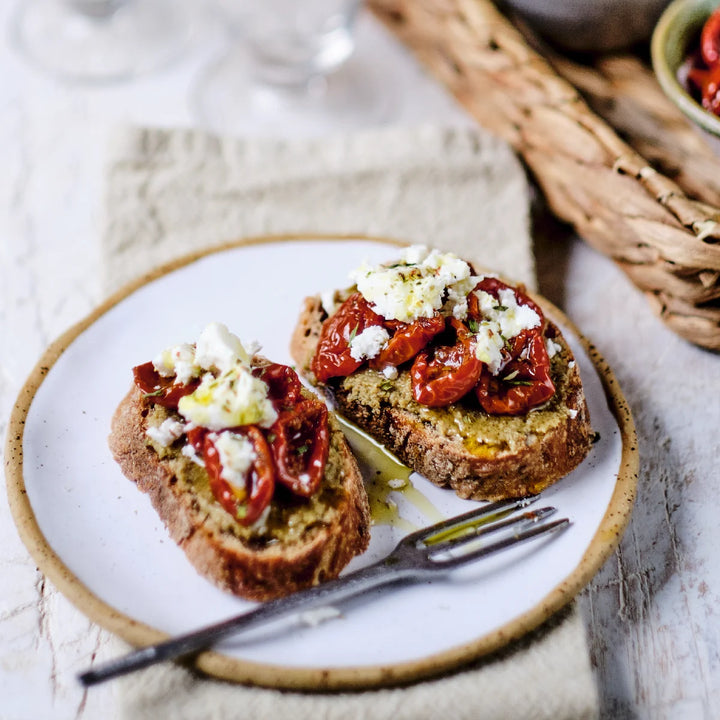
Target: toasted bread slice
[(299, 543), (480, 456)]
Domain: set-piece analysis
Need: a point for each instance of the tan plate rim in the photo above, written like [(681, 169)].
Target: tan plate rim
[(215, 664)]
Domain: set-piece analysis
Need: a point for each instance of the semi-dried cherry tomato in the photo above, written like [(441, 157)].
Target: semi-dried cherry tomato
[(493, 286), (300, 441), (710, 39), (332, 357), (707, 84), (246, 504), (196, 438), (163, 390), (529, 385), (284, 386), (408, 340), (445, 373)]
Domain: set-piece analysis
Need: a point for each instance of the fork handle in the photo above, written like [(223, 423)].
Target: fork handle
[(342, 588)]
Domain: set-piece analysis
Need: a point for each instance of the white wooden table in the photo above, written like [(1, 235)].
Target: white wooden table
[(652, 612)]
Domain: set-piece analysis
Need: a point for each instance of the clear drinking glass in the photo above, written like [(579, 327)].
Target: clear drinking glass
[(100, 40), (291, 60)]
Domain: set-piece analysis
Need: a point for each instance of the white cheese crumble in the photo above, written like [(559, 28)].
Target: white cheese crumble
[(328, 301), (489, 343), (167, 432), (228, 394), (369, 342), (390, 372), (178, 360), (511, 317), (233, 398), (552, 347), (421, 283), (503, 319), (218, 349), (191, 453), (304, 479), (237, 456)]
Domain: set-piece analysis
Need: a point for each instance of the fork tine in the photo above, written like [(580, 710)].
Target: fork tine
[(483, 515), (534, 531), (472, 531)]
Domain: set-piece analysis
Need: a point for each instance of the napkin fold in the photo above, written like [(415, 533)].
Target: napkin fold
[(172, 192), (543, 677)]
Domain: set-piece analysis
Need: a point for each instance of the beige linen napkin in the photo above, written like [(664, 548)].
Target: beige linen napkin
[(171, 192)]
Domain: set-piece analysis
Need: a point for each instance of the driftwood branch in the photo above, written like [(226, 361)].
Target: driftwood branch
[(665, 236)]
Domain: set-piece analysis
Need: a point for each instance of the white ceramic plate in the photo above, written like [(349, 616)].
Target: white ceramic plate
[(98, 538)]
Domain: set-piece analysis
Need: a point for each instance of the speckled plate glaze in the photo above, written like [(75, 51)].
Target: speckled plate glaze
[(99, 541)]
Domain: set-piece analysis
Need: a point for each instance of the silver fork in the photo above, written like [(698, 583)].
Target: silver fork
[(435, 549)]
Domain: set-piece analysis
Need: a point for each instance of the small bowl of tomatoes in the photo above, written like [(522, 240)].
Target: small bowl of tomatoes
[(685, 51)]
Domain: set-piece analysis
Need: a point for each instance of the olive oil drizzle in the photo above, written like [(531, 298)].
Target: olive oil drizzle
[(384, 475), (469, 527)]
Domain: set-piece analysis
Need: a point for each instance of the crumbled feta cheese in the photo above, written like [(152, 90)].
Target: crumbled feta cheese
[(167, 432), (179, 361), (414, 254), (328, 302), (236, 454), (190, 452), (572, 412), (417, 286), (253, 348), (369, 342), (217, 348), (489, 343), (512, 317), (231, 399), (396, 483), (304, 479), (552, 347), (503, 319), (390, 372)]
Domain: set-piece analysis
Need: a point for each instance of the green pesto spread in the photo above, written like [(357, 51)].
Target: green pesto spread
[(465, 422), (289, 519)]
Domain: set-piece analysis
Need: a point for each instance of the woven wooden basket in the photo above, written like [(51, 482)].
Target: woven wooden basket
[(649, 200)]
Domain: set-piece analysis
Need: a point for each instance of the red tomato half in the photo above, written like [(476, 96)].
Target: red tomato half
[(710, 39), (246, 504), (284, 387), (493, 286), (332, 357), (300, 446), (163, 390), (707, 84), (529, 383), (408, 340), (445, 373)]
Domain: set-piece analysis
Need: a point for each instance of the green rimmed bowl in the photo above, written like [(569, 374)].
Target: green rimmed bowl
[(674, 38)]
